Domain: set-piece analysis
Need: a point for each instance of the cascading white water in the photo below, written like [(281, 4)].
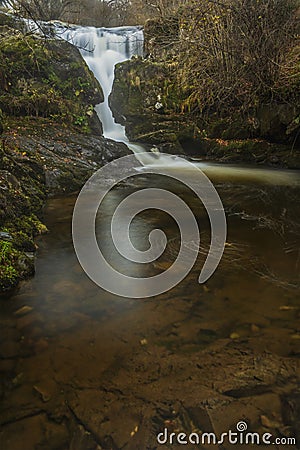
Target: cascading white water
[(102, 49)]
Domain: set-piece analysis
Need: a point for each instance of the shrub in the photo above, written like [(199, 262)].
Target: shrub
[(233, 52)]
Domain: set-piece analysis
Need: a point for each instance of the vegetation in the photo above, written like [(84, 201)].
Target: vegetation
[(41, 9), (232, 52), (235, 63), (15, 263), (45, 79), (86, 12), (42, 82), (225, 58), (8, 273), (240, 50)]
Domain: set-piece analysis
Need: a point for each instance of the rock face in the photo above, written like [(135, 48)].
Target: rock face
[(39, 158), (51, 137), (146, 100)]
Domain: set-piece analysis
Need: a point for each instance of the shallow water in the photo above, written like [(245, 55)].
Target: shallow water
[(79, 337)]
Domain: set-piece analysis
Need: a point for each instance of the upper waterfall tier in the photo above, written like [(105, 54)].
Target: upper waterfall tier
[(102, 49)]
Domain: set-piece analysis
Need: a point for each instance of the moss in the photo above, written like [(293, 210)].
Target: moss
[(46, 79), (30, 225), (22, 241), (138, 87), (8, 276), (234, 125), (14, 261), (14, 265)]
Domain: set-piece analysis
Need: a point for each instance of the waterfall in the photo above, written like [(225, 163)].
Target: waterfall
[(102, 49)]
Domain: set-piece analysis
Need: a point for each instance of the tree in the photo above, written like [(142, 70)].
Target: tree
[(141, 10), (103, 12), (41, 9)]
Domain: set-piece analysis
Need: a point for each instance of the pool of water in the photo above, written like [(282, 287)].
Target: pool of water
[(76, 337)]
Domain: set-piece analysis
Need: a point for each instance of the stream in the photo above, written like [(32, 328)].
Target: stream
[(84, 369)]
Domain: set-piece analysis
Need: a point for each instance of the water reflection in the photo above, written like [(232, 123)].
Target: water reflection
[(258, 273), (79, 342)]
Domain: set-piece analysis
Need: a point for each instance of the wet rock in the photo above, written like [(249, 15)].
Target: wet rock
[(35, 432), (63, 86), (5, 236), (111, 423), (40, 345), (44, 395), (201, 418), (8, 181), (254, 328), (10, 349), (256, 378), (269, 423), (63, 288), (83, 440), (145, 109), (18, 379), (29, 320), (234, 335), (291, 412), (7, 365), (40, 157), (275, 123), (23, 310), (25, 266)]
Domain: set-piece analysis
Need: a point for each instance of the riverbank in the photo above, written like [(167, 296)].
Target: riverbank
[(147, 100), (50, 136), (206, 90), (40, 158)]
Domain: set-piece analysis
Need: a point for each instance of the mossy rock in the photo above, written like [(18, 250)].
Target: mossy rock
[(233, 126), (47, 79), (14, 265), (139, 85), (9, 21), (280, 123)]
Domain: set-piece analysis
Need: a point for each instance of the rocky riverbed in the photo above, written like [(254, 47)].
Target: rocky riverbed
[(82, 369)]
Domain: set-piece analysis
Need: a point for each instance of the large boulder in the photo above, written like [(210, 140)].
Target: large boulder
[(47, 78), (280, 123), (146, 100)]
